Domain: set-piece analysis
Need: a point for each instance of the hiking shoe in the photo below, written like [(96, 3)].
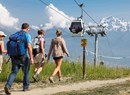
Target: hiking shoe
[(51, 80), (60, 79), (27, 89), (7, 90), (35, 78)]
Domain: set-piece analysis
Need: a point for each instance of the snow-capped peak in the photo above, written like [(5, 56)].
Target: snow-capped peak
[(115, 24)]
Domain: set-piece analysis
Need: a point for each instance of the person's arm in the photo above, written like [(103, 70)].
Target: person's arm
[(42, 48), (2, 48), (29, 46), (50, 50), (65, 48)]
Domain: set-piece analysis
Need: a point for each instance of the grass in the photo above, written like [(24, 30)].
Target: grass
[(73, 70)]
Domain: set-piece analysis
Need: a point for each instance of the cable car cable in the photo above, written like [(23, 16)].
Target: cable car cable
[(109, 57), (110, 46), (85, 12), (55, 10), (90, 17)]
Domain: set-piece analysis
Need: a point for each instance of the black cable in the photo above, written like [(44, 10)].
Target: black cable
[(85, 12), (110, 46), (55, 10), (90, 16)]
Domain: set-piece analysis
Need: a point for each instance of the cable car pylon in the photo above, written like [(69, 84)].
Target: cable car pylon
[(100, 30), (77, 29)]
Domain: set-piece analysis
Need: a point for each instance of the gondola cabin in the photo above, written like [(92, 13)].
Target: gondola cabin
[(76, 28)]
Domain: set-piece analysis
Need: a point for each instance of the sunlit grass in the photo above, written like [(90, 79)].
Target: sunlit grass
[(71, 69)]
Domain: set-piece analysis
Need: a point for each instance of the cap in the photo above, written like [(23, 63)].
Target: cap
[(2, 34)]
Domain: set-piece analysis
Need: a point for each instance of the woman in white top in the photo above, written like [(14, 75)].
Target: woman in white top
[(39, 58), (2, 49)]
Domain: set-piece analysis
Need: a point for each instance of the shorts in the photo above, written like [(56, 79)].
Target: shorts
[(1, 61), (60, 57), (38, 58)]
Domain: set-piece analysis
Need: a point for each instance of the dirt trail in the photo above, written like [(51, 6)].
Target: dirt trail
[(69, 87)]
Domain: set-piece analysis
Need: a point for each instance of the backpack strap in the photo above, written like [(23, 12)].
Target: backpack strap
[(43, 38), (39, 37), (25, 39)]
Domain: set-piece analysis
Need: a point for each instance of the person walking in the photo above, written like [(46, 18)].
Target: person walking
[(23, 62), (58, 49), (2, 48), (38, 45)]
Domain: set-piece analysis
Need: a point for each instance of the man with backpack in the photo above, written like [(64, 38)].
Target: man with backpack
[(18, 48)]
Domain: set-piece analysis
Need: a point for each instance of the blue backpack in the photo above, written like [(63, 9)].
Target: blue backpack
[(17, 44)]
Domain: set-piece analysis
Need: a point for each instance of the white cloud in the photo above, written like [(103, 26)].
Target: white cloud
[(6, 20), (56, 19), (34, 27)]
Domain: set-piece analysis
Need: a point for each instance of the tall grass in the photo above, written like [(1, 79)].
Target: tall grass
[(71, 69)]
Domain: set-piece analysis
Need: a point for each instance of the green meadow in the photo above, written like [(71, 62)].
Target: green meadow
[(71, 69)]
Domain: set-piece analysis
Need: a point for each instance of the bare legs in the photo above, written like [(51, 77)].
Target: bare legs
[(57, 70), (36, 67), (37, 70)]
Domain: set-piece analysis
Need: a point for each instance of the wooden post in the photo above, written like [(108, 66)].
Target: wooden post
[(84, 44)]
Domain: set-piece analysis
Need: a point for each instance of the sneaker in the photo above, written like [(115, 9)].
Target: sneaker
[(60, 79), (7, 90), (51, 80), (35, 77)]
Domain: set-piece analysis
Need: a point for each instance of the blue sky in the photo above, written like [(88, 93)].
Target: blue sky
[(14, 12), (33, 11)]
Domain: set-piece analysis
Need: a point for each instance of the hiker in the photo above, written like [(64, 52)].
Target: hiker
[(58, 49), (38, 45), (2, 49), (22, 61)]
